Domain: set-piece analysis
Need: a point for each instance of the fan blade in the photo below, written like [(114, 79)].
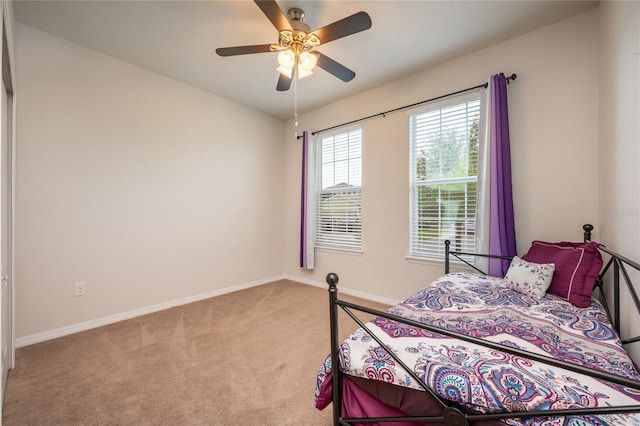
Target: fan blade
[(284, 83), (350, 25), (243, 50), (335, 68), (273, 12)]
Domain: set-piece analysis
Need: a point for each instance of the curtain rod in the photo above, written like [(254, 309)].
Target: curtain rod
[(383, 114)]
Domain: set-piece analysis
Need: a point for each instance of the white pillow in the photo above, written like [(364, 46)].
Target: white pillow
[(529, 278)]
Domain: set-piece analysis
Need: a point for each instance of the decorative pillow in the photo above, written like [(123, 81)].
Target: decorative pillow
[(577, 266), (529, 278)]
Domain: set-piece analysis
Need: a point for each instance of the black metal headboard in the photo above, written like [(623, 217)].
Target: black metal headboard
[(617, 267)]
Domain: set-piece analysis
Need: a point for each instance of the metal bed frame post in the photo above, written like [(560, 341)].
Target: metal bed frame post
[(447, 243), (332, 280), (616, 294), (587, 228)]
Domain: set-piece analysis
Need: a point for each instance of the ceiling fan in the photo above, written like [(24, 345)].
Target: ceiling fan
[(297, 43)]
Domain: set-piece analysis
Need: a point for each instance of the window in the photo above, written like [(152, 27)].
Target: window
[(444, 175), (339, 180)]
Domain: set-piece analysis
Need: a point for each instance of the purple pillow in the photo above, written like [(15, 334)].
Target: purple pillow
[(577, 266)]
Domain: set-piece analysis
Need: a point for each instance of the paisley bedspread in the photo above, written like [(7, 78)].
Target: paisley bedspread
[(488, 380)]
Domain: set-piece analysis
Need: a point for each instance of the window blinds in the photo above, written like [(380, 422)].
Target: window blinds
[(339, 201), (443, 180)]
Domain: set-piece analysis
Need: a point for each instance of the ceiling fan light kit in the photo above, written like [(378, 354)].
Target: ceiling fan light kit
[(306, 61), (297, 43)]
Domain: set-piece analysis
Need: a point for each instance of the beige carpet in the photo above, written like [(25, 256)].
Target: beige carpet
[(245, 358)]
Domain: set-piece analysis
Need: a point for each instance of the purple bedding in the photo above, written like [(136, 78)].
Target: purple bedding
[(485, 380)]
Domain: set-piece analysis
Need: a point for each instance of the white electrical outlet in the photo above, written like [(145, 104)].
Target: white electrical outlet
[(80, 289)]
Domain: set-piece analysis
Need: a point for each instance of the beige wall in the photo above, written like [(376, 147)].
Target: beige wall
[(619, 98), (619, 153), (554, 139), (146, 189)]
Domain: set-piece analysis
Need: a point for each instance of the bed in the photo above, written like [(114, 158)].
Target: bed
[(536, 347)]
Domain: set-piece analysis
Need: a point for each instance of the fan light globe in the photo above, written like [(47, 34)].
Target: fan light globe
[(308, 61), (302, 73), (286, 59), (287, 73)]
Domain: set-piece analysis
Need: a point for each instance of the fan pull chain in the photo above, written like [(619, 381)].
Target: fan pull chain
[(294, 75)]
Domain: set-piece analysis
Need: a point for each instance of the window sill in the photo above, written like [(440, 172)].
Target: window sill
[(425, 261), (352, 252)]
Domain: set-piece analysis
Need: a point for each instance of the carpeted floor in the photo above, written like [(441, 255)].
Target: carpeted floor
[(245, 358)]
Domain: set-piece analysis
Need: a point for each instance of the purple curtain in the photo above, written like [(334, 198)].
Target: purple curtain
[(502, 236), (303, 201)]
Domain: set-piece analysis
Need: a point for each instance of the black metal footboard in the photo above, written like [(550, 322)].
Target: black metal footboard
[(452, 414)]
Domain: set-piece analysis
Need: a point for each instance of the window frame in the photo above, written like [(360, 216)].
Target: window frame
[(342, 232), (435, 252)]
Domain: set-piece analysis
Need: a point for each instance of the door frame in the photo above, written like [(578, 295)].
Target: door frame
[(7, 69)]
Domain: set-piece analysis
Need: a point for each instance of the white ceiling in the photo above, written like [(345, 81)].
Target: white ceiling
[(178, 39)]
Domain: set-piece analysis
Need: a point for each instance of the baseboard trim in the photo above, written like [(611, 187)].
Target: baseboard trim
[(99, 322), (345, 290)]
